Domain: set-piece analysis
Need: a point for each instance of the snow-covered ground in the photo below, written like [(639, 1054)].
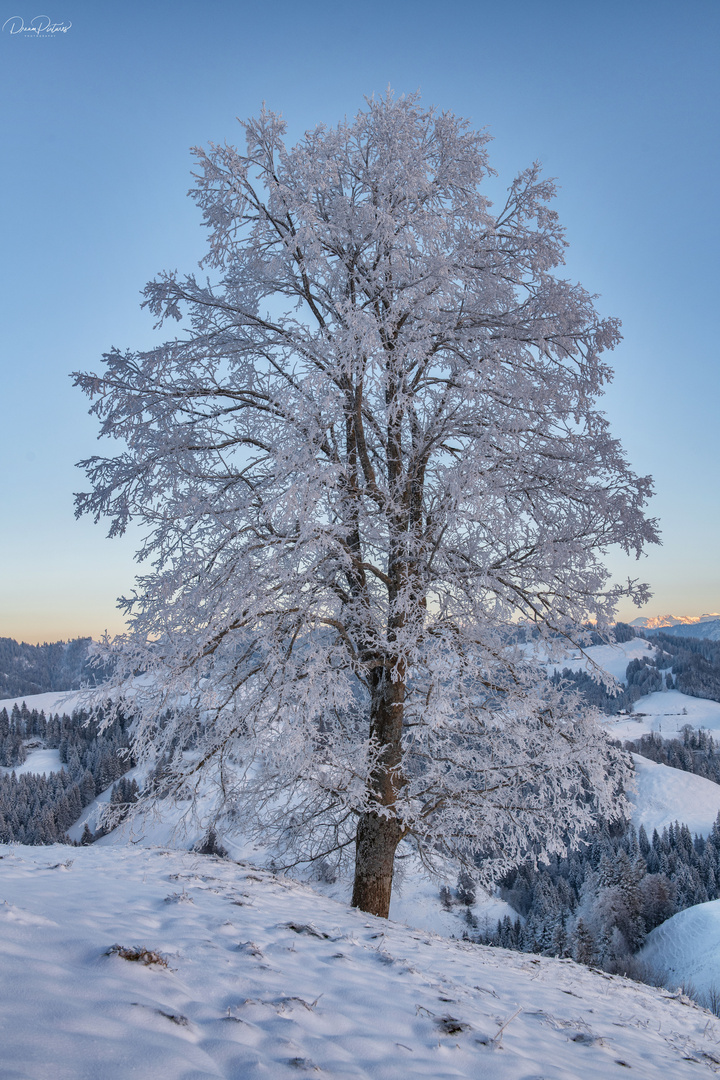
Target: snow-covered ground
[(687, 948), (667, 712), (265, 978), (55, 701), (611, 658), (415, 900), (39, 761), (664, 795)]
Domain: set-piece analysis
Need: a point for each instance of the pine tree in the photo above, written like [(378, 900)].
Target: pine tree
[(582, 944)]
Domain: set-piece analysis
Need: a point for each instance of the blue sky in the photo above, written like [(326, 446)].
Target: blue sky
[(618, 100)]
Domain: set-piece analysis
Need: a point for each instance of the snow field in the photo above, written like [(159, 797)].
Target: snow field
[(687, 948), (265, 978), (667, 712), (38, 761), (664, 795), (54, 701), (611, 658)]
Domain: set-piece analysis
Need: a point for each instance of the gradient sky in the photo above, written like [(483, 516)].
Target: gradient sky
[(619, 100)]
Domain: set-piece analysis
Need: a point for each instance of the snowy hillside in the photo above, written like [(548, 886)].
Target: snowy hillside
[(664, 795), (611, 658), (55, 701), (666, 712), (247, 975), (687, 948)]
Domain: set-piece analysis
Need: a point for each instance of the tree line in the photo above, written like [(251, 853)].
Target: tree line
[(39, 809), (691, 665), (37, 669), (695, 664), (598, 903)]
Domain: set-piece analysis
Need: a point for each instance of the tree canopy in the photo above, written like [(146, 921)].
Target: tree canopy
[(374, 451)]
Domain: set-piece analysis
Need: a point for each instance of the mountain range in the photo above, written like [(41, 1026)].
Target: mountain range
[(658, 622)]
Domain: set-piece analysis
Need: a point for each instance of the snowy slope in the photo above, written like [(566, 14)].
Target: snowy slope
[(667, 712), (267, 979), (611, 658), (687, 948), (38, 761), (664, 795), (415, 897), (55, 701)]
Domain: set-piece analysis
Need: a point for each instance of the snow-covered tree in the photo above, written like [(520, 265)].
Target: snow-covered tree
[(374, 449)]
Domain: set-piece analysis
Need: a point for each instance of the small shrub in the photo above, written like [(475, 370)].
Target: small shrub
[(210, 845), (138, 956), (465, 888)]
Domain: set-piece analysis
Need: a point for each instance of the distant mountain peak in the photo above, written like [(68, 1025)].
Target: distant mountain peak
[(654, 622)]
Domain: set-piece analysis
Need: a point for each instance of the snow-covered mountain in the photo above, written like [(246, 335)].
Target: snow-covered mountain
[(708, 629), (655, 622)]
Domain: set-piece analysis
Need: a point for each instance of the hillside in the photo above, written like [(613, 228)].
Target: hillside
[(250, 975), (686, 948), (664, 795), (37, 669)]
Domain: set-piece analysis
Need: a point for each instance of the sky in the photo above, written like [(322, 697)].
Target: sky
[(618, 100)]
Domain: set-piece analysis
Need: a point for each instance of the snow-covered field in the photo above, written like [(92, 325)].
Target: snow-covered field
[(611, 658), (39, 761), (415, 897), (664, 795), (687, 948), (666, 712), (55, 701), (266, 978)]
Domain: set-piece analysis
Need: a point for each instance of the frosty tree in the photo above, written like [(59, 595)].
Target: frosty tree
[(373, 451)]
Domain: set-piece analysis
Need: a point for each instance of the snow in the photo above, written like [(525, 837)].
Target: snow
[(415, 896), (656, 622), (664, 795), (611, 658), (687, 948), (667, 712), (266, 978), (38, 761), (92, 813), (416, 902), (55, 701)]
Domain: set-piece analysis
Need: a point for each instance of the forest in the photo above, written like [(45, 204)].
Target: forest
[(598, 903), (36, 669), (39, 809)]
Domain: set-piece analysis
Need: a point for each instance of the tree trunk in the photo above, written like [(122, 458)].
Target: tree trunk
[(378, 832), (375, 844)]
